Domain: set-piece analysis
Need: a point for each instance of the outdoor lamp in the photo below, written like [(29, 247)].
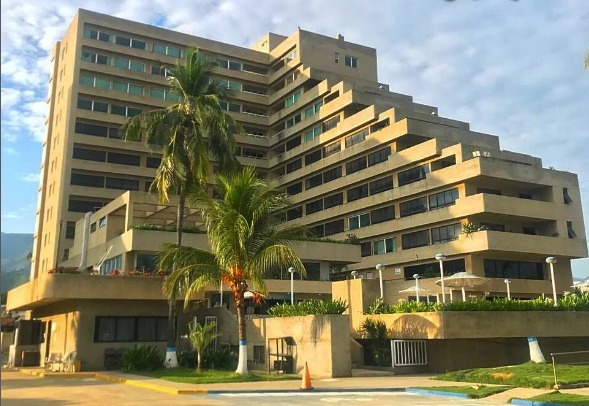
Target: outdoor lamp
[(380, 268), (354, 274), (507, 282), (441, 257), (292, 272), (417, 276), (552, 261)]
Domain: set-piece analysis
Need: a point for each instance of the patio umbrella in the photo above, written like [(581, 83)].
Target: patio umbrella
[(462, 280), (416, 290), (583, 285)]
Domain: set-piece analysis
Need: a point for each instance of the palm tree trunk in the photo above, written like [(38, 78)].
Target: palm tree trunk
[(241, 328), (171, 358), (199, 360)]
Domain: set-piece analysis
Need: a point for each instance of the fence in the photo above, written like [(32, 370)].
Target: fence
[(568, 358), (408, 353)]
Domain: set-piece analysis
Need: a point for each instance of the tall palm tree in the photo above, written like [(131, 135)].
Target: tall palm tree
[(188, 132), (244, 242)]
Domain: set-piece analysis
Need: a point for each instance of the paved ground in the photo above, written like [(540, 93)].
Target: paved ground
[(26, 390)]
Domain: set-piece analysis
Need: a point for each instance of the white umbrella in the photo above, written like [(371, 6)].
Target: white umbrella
[(462, 280), (583, 285), (416, 290)]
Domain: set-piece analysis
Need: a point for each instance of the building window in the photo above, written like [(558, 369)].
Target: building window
[(379, 156), (313, 157), (93, 105), (356, 193), (314, 207), (70, 230), (130, 329), (312, 134), (314, 181), (293, 143), (384, 246), (233, 65), (565, 196), (98, 35), (332, 149), (124, 159), (529, 230), (168, 50), (383, 214), (111, 264), (153, 162), (294, 189), (102, 222), (356, 165), (314, 109), (292, 99), (96, 58), (333, 200), (83, 206), (79, 179), (160, 71), (381, 185), (293, 120), (294, 166), (93, 227), (570, 230), (89, 154), (351, 61), (495, 268), (91, 129), (329, 124), (334, 227), (445, 233), (233, 107), (432, 269), (229, 85), (366, 249), (332, 174), (412, 175), (443, 199), (356, 138), (413, 207), (336, 57), (295, 213), (259, 354), (122, 184), (416, 239), (493, 227), (358, 221)]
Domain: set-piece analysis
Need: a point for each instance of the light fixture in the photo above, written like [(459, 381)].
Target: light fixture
[(354, 274), (292, 271), (441, 257), (552, 261), (380, 268), (416, 276), (507, 282)]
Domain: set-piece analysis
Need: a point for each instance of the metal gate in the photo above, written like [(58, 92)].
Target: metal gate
[(212, 320), (408, 352)]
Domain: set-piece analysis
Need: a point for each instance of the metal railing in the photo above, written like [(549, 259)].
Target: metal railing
[(576, 361), (408, 353)]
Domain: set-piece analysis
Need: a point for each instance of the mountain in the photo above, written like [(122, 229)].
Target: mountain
[(14, 261)]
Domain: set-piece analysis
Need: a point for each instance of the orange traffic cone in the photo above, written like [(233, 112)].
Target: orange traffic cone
[(306, 382)]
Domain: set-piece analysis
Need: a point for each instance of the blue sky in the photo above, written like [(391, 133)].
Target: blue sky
[(510, 68)]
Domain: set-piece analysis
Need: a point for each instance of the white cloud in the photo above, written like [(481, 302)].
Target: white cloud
[(12, 216), (31, 177)]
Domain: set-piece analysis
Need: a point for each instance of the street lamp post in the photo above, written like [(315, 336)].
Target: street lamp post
[(417, 276), (441, 257), (354, 274), (552, 261), (292, 271), (380, 268), (507, 282)]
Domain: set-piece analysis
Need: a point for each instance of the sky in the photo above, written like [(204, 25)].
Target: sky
[(510, 68)]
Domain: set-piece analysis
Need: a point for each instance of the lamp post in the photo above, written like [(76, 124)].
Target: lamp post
[(417, 276), (354, 274), (221, 294), (441, 257), (292, 271), (380, 268), (552, 261), (507, 282)]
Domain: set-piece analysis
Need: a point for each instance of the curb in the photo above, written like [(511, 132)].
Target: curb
[(320, 390), (523, 402), (437, 393)]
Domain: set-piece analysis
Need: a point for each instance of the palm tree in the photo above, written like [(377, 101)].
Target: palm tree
[(187, 132), (200, 337), (244, 243)]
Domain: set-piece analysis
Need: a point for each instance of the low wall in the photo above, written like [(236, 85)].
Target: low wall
[(480, 325), (321, 341)]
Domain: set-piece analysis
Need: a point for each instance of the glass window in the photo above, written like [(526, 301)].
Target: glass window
[(122, 184), (120, 86), (123, 159), (443, 199), (153, 162), (91, 129), (384, 246), (313, 157), (85, 104), (413, 207), (157, 93), (379, 156), (382, 214), (356, 138), (314, 181), (381, 185), (118, 110), (495, 268), (70, 230), (312, 134), (412, 175), (80, 179), (565, 196), (333, 200), (159, 49), (137, 66), (86, 80), (136, 90), (445, 233), (89, 154), (334, 227), (332, 174), (146, 328), (314, 207), (119, 40), (295, 213), (294, 189), (351, 61), (361, 220), (122, 63), (332, 149), (100, 106), (137, 44), (416, 239), (103, 60), (366, 249), (89, 57), (357, 193), (102, 83), (488, 191), (356, 165)]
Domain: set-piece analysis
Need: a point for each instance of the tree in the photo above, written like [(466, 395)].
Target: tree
[(244, 241), (187, 132), (200, 336)]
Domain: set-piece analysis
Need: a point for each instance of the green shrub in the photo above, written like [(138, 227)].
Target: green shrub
[(220, 359), (187, 359), (309, 307), (142, 357), (378, 335)]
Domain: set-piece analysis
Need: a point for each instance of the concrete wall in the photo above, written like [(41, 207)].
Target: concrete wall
[(321, 341)]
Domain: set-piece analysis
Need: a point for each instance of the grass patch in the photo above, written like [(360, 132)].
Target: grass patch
[(528, 375), (185, 375), (562, 398), (473, 392)]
